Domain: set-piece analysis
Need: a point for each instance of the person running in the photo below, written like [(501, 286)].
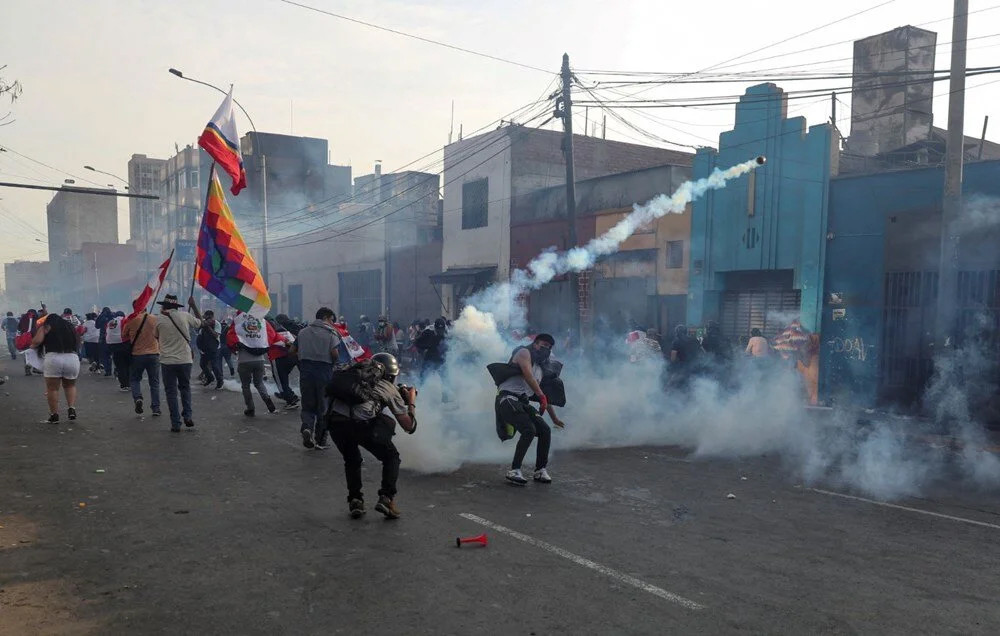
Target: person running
[(10, 330), (119, 349), (103, 351), (284, 360), (249, 338), (225, 352), (25, 331), (369, 426), (172, 334), (91, 340), (144, 349), (513, 409), (209, 342), (318, 349), (58, 343)]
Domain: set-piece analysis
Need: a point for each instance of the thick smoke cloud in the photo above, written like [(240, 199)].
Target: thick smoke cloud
[(748, 410)]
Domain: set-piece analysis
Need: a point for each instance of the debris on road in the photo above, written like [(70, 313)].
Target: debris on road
[(480, 540), (99, 470)]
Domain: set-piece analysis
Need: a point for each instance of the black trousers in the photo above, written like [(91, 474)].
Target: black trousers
[(122, 356), (526, 421), (375, 437)]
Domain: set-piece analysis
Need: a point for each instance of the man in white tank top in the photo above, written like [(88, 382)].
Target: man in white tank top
[(513, 410)]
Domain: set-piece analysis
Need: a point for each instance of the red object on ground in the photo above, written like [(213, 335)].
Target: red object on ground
[(481, 540)]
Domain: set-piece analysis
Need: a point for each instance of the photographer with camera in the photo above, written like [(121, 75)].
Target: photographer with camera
[(370, 425)]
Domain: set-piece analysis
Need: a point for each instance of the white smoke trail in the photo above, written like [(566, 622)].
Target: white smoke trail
[(612, 403), (550, 264)]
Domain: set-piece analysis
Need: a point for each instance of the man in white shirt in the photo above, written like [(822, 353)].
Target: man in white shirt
[(173, 335)]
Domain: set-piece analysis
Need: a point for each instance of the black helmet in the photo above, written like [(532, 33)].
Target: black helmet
[(389, 364)]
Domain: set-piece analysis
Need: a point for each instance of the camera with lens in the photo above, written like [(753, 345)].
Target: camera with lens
[(404, 390)]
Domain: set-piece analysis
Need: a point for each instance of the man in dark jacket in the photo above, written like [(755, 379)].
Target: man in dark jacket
[(101, 322)]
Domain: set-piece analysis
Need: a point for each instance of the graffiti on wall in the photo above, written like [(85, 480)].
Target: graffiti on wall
[(851, 348)]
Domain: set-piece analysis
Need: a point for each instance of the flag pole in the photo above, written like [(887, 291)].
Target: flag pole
[(160, 284), (204, 211), (170, 261)]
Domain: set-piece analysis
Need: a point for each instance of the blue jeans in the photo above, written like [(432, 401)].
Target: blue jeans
[(150, 363), (11, 346), (177, 376), (283, 367), (313, 378), (211, 365)]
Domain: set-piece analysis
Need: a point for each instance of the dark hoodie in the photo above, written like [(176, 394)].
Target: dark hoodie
[(101, 322)]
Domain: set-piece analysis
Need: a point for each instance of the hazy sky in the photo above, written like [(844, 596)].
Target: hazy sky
[(96, 87)]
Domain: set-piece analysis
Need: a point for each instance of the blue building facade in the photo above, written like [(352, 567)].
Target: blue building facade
[(882, 262), (758, 246)]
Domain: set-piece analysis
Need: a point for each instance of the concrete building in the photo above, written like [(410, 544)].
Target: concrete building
[(75, 218), (892, 116), (758, 245), (882, 254), (28, 283), (101, 274), (410, 204), (145, 176), (483, 174), (344, 271), (376, 256), (182, 197), (302, 188)]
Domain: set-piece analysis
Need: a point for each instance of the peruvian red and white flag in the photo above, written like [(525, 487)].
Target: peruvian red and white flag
[(221, 141), (356, 351), (140, 303)]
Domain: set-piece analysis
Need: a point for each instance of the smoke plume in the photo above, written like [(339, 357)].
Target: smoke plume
[(745, 409)]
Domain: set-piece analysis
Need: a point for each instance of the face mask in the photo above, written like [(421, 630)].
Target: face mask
[(538, 356)]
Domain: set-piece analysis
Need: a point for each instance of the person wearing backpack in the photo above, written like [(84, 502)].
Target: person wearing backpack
[(318, 349), (515, 414), (208, 346), (175, 356), (368, 420)]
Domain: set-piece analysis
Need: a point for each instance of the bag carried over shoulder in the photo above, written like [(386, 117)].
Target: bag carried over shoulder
[(355, 383)]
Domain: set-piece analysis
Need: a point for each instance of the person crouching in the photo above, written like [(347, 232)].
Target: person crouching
[(368, 425)]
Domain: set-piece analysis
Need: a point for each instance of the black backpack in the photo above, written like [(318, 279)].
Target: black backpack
[(355, 383)]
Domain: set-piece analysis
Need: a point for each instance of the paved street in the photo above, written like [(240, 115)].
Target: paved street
[(233, 528)]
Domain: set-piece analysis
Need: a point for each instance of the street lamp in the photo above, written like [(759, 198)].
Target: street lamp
[(93, 169), (263, 170)]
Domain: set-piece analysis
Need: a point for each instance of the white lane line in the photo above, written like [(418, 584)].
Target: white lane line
[(621, 577), (917, 510)]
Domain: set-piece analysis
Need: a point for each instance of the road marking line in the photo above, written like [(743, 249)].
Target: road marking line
[(587, 563), (917, 510)]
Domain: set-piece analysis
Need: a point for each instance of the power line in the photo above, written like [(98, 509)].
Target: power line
[(9, 149), (388, 214), (313, 209), (417, 37)]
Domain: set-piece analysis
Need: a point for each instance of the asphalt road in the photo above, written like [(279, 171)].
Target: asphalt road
[(233, 528)]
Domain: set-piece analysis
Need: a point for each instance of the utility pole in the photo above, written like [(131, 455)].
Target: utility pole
[(566, 113), (951, 207), (263, 235)]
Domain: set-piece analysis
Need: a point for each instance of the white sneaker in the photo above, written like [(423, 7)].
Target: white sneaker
[(542, 476), (515, 477)]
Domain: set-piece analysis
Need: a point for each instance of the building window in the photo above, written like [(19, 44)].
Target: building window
[(475, 204), (675, 254)]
